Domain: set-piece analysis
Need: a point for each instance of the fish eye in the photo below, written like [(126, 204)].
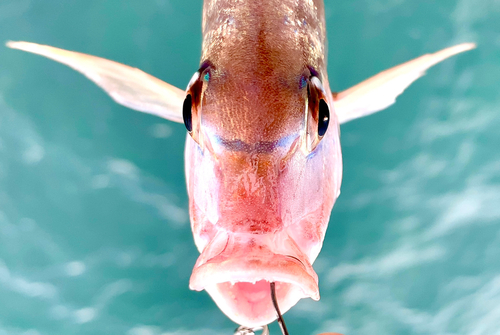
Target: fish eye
[(323, 117), (187, 113), (192, 105), (317, 114)]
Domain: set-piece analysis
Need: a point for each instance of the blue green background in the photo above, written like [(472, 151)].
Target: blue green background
[(94, 230)]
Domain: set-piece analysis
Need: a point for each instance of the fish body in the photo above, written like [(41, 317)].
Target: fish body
[(262, 158), (260, 197)]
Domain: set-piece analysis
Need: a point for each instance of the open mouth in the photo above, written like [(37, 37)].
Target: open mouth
[(236, 269)]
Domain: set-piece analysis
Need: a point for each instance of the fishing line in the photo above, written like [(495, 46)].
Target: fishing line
[(275, 303)]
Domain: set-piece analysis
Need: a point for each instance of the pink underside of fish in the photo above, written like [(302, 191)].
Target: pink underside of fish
[(240, 254), (238, 261)]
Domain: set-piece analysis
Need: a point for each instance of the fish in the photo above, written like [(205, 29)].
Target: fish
[(263, 160)]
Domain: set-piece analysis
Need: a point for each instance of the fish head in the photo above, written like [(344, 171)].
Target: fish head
[(262, 179)]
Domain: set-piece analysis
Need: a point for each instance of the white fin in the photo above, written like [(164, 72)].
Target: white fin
[(381, 90), (128, 86)]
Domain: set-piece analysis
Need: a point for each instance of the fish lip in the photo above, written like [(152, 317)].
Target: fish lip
[(236, 268), (281, 268), (240, 287), (246, 257)]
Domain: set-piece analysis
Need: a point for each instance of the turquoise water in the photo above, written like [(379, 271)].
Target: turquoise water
[(94, 232)]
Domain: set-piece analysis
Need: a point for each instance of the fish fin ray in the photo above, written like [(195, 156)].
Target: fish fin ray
[(380, 91), (126, 85)]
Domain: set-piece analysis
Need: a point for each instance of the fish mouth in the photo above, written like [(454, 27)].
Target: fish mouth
[(237, 269)]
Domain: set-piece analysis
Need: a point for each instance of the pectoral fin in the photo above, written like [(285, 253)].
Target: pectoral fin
[(380, 91), (128, 86)]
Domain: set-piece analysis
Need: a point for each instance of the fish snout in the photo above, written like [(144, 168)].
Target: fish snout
[(236, 269)]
